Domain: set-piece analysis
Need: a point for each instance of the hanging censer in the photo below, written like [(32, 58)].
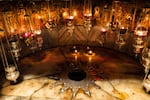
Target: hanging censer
[(11, 70)]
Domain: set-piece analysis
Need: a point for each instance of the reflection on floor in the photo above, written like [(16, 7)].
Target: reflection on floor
[(123, 82)]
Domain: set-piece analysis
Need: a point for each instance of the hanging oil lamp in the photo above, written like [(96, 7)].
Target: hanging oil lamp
[(140, 36), (87, 22), (11, 27), (39, 39), (15, 46), (32, 36), (120, 39), (11, 73), (11, 70), (26, 30), (146, 63), (50, 23), (87, 15), (69, 17), (102, 36), (146, 84), (70, 25), (146, 59)]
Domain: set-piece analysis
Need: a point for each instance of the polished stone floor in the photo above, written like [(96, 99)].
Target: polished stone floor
[(118, 75)]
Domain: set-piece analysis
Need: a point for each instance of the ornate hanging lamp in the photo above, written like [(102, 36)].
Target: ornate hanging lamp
[(87, 11), (51, 21), (146, 63), (140, 36), (10, 22), (120, 39), (11, 70)]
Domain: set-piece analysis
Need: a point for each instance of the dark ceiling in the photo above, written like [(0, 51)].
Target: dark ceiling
[(140, 3)]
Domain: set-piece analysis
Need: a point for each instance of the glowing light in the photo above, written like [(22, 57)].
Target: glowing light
[(90, 52), (22, 29), (146, 18), (122, 27), (70, 17), (76, 51), (65, 14), (141, 33), (88, 14), (39, 17), (50, 20), (38, 32), (74, 13), (12, 30), (103, 30), (26, 34)]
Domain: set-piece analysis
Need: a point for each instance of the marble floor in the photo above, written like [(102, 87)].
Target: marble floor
[(118, 76)]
